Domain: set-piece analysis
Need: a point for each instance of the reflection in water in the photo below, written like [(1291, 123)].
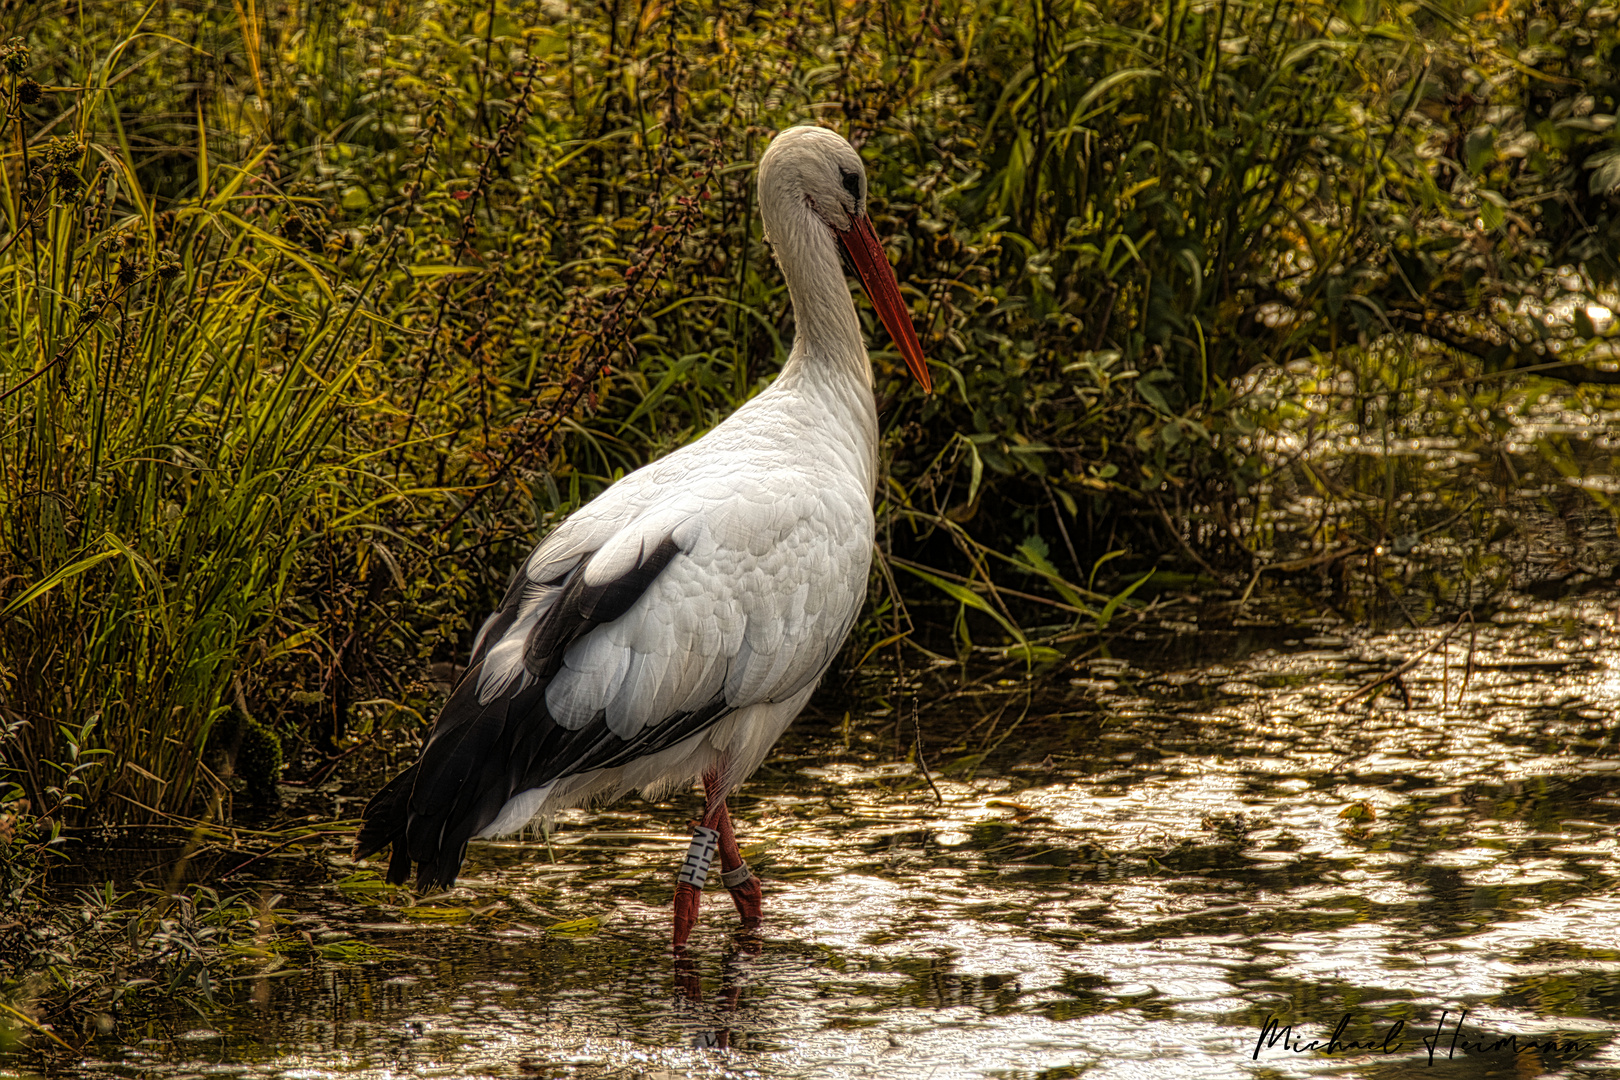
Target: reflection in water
[(733, 976), (1137, 865)]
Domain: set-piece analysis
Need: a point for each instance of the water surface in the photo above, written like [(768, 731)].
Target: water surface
[(1138, 860)]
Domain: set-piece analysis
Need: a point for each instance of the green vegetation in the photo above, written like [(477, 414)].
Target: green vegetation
[(316, 314)]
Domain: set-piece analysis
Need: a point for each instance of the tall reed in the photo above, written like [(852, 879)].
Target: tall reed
[(172, 387)]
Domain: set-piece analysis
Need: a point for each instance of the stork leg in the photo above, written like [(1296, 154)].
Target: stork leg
[(743, 886), (687, 898), (739, 880)]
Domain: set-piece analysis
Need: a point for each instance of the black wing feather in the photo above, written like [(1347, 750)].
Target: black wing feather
[(582, 608), (481, 755)]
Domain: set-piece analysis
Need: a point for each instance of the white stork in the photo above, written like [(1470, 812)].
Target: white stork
[(674, 626)]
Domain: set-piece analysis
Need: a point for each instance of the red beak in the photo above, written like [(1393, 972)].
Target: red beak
[(872, 264)]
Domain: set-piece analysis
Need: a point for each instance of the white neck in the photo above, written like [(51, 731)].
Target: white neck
[(827, 335)]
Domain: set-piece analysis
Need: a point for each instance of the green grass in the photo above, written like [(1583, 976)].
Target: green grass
[(315, 318)]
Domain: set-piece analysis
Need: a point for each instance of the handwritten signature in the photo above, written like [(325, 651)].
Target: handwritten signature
[(1275, 1032)]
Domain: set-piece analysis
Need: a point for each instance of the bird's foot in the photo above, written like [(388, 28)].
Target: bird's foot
[(748, 897)]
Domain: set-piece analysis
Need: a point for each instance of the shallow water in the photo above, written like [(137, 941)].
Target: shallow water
[(1138, 861)]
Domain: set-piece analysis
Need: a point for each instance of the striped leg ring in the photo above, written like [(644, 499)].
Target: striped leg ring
[(699, 857)]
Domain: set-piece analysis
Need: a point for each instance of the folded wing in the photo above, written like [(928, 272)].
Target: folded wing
[(623, 634)]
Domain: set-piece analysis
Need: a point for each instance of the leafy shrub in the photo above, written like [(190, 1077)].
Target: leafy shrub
[(320, 312)]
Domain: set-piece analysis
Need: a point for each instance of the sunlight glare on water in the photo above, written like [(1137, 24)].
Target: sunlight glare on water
[(1130, 873)]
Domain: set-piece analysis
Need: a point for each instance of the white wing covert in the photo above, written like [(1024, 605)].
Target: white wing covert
[(647, 617), (740, 615)]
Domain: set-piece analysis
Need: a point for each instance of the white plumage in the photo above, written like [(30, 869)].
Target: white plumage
[(672, 628)]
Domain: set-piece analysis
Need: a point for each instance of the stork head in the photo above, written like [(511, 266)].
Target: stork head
[(812, 176)]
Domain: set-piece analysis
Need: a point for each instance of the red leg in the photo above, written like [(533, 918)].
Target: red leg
[(746, 894), (687, 899), (744, 887)]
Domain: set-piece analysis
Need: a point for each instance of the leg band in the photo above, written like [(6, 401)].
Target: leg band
[(695, 870), (733, 878)]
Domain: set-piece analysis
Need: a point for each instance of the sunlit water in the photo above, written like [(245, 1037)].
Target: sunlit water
[(1137, 863)]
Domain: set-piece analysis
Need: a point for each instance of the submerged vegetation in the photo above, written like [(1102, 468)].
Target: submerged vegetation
[(316, 314)]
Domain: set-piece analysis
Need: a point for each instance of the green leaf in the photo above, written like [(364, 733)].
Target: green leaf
[(1147, 387), (65, 573), (1113, 605), (975, 467), (967, 597), (1031, 654), (1035, 552), (1096, 566), (352, 950), (1479, 148), (364, 881), (1105, 84), (430, 271), (575, 927), (436, 914)]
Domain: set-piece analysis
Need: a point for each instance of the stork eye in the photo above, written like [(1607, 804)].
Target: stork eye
[(852, 184)]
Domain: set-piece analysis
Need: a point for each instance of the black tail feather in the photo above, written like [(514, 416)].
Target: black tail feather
[(385, 818), (399, 863), (482, 753)]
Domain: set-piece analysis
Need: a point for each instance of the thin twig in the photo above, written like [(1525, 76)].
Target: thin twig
[(921, 763), (1468, 671), (1294, 565), (990, 748), (611, 329), (504, 142), (284, 844), (320, 775), (1392, 676), (1063, 530), (67, 350), (1188, 548)]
